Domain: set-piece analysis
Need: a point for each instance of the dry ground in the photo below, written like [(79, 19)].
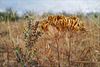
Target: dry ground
[(85, 46)]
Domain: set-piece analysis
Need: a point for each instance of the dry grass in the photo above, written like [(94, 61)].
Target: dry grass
[(85, 51)]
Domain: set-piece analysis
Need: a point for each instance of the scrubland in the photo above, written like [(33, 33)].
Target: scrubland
[(85, 46)]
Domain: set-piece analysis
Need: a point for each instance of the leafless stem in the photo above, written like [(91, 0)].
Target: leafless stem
[(58, 54), (69, 56)]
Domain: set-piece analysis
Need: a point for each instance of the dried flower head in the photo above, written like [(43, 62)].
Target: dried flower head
[(62, 23)]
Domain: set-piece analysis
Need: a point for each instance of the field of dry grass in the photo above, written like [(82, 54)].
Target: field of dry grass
[(85, 50)]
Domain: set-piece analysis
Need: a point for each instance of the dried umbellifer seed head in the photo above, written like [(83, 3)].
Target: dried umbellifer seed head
[(62, 23)]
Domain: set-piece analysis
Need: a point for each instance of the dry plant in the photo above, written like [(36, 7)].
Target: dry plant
[(67, 25)]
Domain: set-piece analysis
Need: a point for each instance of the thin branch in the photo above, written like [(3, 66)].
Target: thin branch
[(94, 23), (86, 62), (69, 56), (58, 54)]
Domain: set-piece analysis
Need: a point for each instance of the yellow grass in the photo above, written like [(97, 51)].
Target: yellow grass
[(85, 51)]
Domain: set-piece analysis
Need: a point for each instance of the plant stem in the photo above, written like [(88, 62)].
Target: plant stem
[(58, 54), (69, 57)]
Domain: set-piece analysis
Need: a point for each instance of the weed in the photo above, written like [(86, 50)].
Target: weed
[(31, 35)]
